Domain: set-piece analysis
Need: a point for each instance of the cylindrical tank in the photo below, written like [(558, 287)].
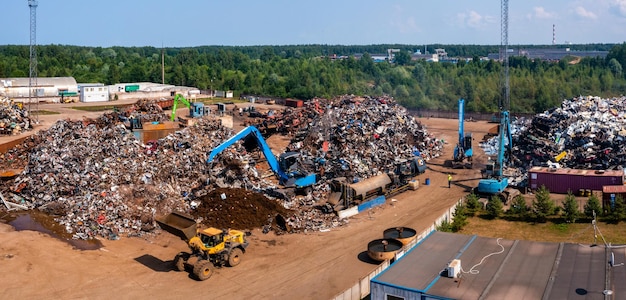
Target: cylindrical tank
[(383, 249), (403, 234)]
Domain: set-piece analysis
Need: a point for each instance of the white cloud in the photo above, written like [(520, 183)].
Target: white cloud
[(541, 13), (582, 12), (402, 23), (473, 19), (619, 7)]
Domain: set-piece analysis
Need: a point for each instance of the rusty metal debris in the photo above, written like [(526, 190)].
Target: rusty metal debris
[(13, 118), (585, 132), (589, 131), (99, 180)]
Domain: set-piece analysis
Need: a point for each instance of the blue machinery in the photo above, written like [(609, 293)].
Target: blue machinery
[(496, 184), (288, 175), (196, 109), (463, 152)]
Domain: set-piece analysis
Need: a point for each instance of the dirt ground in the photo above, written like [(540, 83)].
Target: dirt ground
[(310, 265)]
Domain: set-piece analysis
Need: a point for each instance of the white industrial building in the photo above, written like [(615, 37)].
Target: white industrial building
[(55, 89), (93, 92), (46, 87)]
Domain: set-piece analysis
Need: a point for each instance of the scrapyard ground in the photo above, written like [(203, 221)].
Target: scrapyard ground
[(310, 265)]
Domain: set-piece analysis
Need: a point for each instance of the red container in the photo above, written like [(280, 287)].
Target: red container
[(294, 103), (560, 181), (610, 193)]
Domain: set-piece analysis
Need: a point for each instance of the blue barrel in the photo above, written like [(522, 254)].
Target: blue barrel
[(427, 181)]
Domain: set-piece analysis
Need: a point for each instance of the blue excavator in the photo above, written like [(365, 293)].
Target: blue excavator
[(463, 152), (494, 183), (287, 167)]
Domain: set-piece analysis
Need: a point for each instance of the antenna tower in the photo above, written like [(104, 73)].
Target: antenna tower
[(32, 80), (504, 52)]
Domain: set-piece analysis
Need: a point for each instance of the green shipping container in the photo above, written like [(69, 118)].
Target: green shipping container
[(131, 88)]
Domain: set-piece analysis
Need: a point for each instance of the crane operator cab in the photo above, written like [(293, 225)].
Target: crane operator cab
[(289, 162)]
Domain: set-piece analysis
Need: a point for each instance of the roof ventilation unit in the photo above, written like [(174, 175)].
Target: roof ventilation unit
[(454, 268)]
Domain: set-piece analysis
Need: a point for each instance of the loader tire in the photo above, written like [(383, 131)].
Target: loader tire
[(203, 270), (234, 258), (180, 260)]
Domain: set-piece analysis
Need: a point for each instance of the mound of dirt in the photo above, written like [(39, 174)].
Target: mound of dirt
[(239, 209)]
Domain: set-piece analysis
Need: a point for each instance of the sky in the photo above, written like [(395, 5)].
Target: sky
[(170, 23)]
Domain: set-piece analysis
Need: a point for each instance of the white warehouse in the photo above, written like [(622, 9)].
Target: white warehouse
[(45, 87)]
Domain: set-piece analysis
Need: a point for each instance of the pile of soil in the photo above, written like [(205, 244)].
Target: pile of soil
[(240, 209)]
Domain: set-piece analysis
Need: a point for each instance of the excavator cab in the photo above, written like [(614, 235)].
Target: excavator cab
[(288, 161)]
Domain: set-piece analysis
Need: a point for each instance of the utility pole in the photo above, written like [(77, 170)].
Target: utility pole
[(32, 79), (162, 65), (506, 96)]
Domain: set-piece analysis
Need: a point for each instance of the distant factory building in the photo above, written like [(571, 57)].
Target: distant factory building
[(550, 54), (46, 87)]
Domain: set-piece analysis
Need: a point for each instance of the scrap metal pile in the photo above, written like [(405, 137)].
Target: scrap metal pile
[(364, 135), (590, 130), (13, 120), (101, 181), (586, 132), (144, 111)]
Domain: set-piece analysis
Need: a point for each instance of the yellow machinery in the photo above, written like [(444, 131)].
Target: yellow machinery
[(210, 247)]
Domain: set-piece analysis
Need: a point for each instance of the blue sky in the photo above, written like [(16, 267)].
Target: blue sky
[(289, 22)]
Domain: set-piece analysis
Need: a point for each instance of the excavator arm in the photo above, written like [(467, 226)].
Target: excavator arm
[(251, 130), (178, 98)]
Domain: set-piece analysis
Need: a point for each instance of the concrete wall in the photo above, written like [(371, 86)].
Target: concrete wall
[(362, 288)]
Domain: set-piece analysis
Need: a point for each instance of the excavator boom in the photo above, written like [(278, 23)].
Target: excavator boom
[(251, 130)]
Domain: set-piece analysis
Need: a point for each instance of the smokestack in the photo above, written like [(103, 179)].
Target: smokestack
[(553, 34)]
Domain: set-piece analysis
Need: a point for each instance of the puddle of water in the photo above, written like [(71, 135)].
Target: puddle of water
[(44, 223)]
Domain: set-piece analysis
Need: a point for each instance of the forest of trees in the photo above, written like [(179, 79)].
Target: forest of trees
[(305, 71)]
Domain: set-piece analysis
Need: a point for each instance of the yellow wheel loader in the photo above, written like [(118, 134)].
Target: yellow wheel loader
[(210, 248)]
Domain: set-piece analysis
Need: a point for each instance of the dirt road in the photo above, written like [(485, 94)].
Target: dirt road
[(313, 265)]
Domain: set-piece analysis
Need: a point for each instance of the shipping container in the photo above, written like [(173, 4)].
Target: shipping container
[(131, 88), (561, 181), (610, 193), (294, 103)]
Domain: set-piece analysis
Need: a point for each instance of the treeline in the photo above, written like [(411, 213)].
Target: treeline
[(542, 209), (305, 71)]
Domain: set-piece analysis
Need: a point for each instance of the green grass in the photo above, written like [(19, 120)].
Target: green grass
[(220, 100), (550, 231), (95, 108), (43, 112)]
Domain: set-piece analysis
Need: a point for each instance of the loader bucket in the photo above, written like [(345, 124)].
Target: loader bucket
[(179, 224)]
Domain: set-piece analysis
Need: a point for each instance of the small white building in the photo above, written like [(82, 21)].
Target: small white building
[(224, 94), (94, 92)]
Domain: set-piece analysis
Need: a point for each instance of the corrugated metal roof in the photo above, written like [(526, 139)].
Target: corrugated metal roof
[(614, 189), (41, 81), (506, 269), (581, 172)]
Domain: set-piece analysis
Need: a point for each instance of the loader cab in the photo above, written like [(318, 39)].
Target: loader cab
[(211, 237)]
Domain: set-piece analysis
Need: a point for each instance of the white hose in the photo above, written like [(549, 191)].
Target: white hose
[(474, 272)]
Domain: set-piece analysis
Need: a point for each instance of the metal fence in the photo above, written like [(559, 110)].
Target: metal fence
[(361, 288), (476, 116)]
